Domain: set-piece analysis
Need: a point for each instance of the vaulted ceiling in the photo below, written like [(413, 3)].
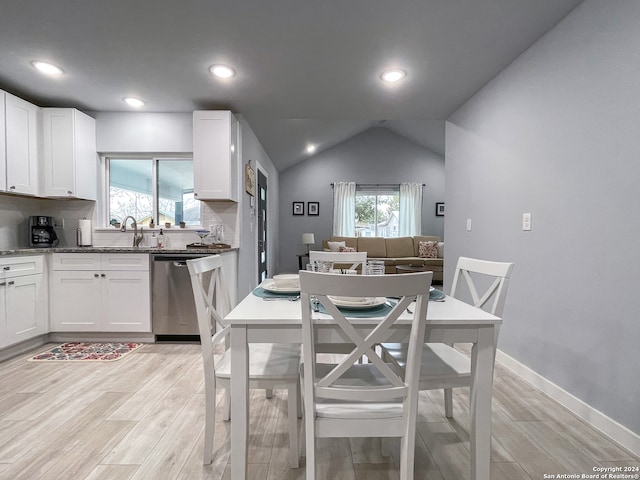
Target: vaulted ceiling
[(307, 72)]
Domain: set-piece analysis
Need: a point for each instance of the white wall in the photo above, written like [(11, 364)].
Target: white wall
[(133, 132), (377, 155), (557, 134)]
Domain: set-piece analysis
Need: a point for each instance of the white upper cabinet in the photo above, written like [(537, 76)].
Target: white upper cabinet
[(69, 154), (3, 147), (20, 138), (215, 155)]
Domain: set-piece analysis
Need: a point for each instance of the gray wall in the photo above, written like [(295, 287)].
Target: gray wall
[(377, 155), (248, 258), (557, 134)]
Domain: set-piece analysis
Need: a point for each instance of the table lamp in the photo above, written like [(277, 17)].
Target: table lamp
[(308, 239)]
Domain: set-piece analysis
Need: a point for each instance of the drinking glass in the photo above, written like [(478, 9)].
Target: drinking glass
[(375, 267), (202, 234), (314, 267)]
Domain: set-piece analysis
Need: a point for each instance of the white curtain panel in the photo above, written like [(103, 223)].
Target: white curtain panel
[(344, 209), (410, 223)]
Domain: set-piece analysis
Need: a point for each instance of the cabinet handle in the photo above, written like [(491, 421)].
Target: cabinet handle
[(11, 282), (7, 268), (12, 187), (69, 192), (2, 284), (96, 275), (103, 275), (195, 194)]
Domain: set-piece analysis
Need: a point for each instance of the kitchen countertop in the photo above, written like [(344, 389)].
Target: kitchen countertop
[(33, 251)]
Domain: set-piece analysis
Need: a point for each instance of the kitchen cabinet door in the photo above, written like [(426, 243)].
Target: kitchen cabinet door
[(125, 301), (97, 292), (26, 311), (3, 147), (24, 299), (4, 341), (215, 155), (21, 138), (76, 301), (69, 154)]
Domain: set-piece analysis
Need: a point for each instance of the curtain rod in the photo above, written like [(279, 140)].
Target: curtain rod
[(376, 184)]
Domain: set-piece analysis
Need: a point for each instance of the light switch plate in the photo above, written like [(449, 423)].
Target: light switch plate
[(526, 222), (468, 224)]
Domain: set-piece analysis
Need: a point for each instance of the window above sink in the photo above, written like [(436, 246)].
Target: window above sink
[(150, 188)]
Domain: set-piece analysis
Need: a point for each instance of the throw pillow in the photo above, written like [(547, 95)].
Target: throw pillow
[(440, 249), (335, 246), (346, 249), (428, 249)]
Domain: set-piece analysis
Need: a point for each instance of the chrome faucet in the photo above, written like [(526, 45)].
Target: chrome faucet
[(137, 237)]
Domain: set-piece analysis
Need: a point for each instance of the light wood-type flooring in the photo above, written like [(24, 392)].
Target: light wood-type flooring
[(141, 417)]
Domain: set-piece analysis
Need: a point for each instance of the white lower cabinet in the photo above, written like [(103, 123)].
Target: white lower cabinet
[(23, 299), (100, 293)]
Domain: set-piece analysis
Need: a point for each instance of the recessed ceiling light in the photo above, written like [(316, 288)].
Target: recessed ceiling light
[(222, 71), (393, 75), (134, 102), (47, 68), (310, 148)]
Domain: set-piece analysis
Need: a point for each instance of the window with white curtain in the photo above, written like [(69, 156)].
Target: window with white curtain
[(393, 210)]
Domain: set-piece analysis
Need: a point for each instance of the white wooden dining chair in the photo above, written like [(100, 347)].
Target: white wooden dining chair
[(443, 366), (348, 399), (341, 258), (357, 259), (270, 365)]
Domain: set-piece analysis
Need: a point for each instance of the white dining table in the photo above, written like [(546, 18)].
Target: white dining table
[(255, 320)]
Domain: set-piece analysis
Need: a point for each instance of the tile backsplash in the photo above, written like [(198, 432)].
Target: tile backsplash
[(15, 212)]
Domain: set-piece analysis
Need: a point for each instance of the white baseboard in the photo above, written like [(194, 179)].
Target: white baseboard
[(101, 337), (619, 433)]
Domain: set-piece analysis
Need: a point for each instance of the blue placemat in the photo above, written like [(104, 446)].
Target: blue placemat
[(262, 293), (378, 311), (436, 295)]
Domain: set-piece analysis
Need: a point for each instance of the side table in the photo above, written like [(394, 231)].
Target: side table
[(300, 263)]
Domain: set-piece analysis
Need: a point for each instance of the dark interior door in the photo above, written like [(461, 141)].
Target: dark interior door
[(262, 226)]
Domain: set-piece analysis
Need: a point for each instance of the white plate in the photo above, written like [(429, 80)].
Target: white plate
[(359, 303), (270, 286)]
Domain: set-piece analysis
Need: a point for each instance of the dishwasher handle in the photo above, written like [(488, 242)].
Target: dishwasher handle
[(180, 263)]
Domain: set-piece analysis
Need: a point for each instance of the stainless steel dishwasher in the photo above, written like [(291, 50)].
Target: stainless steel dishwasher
[(173, 310)]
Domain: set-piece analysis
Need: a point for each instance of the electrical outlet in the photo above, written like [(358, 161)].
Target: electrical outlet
[(526, 222), (58, 223), (468, 224)]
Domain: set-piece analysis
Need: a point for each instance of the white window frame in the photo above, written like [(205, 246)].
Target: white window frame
[(104, 195)]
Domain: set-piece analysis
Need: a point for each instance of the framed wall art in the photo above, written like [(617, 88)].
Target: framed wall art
[(298, 208), (440, 209), (250, 179), (313, 208)]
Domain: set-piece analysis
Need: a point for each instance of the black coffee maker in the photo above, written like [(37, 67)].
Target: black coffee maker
[(41, 232)]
